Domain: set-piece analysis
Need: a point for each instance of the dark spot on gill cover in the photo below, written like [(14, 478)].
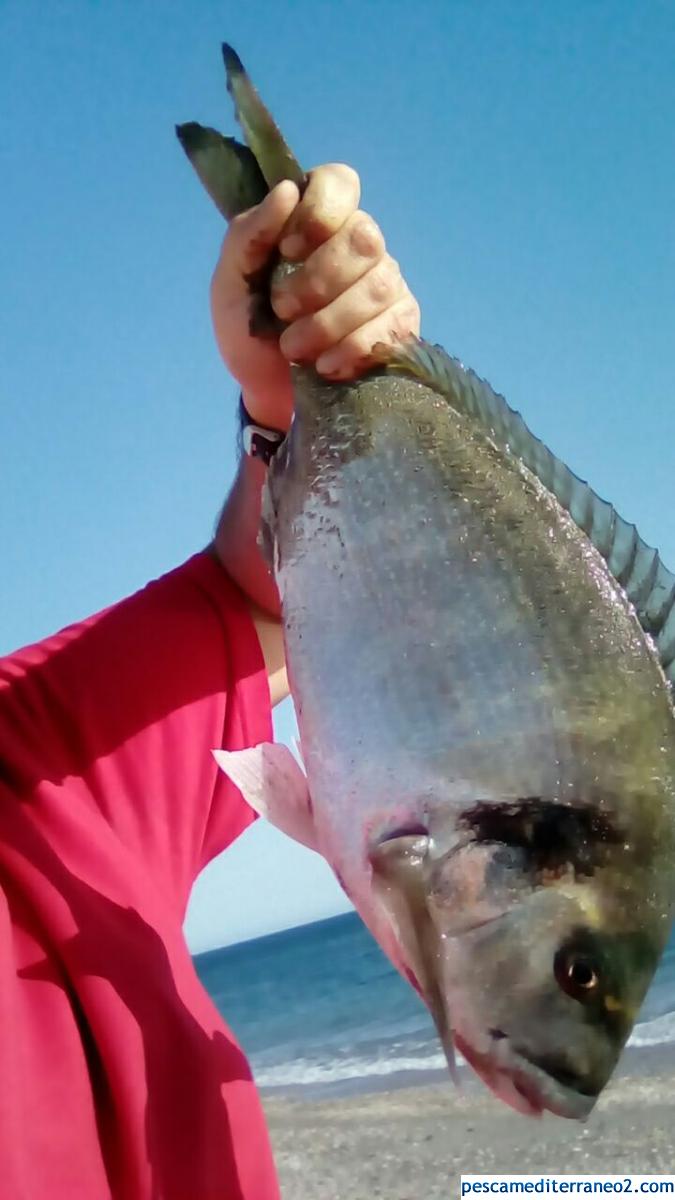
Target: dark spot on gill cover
[(552, 837)]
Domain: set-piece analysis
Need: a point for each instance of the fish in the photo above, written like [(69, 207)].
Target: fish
[(481, 654)]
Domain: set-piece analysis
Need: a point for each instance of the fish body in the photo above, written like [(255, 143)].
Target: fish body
[(486, 728), (456, 646)]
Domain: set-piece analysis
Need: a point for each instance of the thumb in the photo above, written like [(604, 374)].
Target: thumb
[(253, 235)]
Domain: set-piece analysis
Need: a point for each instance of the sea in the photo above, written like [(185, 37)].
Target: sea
[(319, 1009)]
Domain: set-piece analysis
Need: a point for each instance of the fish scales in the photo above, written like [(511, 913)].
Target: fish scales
[(477, 594)]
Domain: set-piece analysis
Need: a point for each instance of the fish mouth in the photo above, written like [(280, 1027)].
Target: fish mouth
[(522, 1084)]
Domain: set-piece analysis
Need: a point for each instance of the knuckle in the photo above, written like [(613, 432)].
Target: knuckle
[(314, 284), (381, 283), (365, 236)]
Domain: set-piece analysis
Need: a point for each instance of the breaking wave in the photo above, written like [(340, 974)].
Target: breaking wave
[(311, 1072), (305, 1071), (658, 1032)]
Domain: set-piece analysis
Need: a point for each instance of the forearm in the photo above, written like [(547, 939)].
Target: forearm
[(236, 546), (236, 538)]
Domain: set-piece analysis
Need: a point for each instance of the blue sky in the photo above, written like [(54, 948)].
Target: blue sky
[(518, 156)]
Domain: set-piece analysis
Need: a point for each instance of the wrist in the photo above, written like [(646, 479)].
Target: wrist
[(256, 440), (271, 404)]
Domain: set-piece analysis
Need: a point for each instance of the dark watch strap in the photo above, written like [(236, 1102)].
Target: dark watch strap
[(256, 441)]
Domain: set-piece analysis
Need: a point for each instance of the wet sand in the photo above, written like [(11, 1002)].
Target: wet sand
[(413, 1142)]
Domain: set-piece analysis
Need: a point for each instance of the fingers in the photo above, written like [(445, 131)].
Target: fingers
[(302, 225), (347, 293), (331, 196), (354, 353), (252, 236), (380, 290), (331, 269)]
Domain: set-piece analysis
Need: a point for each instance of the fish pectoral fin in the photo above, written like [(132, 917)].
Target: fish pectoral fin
[(271, 780), (401, 872)]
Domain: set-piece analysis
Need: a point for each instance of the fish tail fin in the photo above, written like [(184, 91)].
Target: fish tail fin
[(228, 170), (238, 177), (274, 157)]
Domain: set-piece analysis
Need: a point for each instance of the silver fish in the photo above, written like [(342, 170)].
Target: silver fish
[(479, 651)]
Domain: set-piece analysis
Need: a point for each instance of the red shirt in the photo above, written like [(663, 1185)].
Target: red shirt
[(117, 1075)]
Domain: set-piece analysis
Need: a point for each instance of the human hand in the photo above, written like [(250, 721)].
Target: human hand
[(347, 295)]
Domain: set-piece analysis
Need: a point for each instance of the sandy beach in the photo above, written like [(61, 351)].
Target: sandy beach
[(409, 1142)]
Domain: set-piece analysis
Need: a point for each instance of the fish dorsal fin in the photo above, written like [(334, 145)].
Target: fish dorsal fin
[(637, 567)]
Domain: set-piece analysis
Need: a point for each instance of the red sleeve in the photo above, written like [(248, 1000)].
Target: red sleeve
[(120, 713)]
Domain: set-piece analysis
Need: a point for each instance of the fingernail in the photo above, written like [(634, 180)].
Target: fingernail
[(293, 246)]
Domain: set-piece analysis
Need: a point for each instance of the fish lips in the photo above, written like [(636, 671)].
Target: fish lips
[(520, 1083)]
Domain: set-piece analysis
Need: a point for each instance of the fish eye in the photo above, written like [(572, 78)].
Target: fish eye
[(577, 975)]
